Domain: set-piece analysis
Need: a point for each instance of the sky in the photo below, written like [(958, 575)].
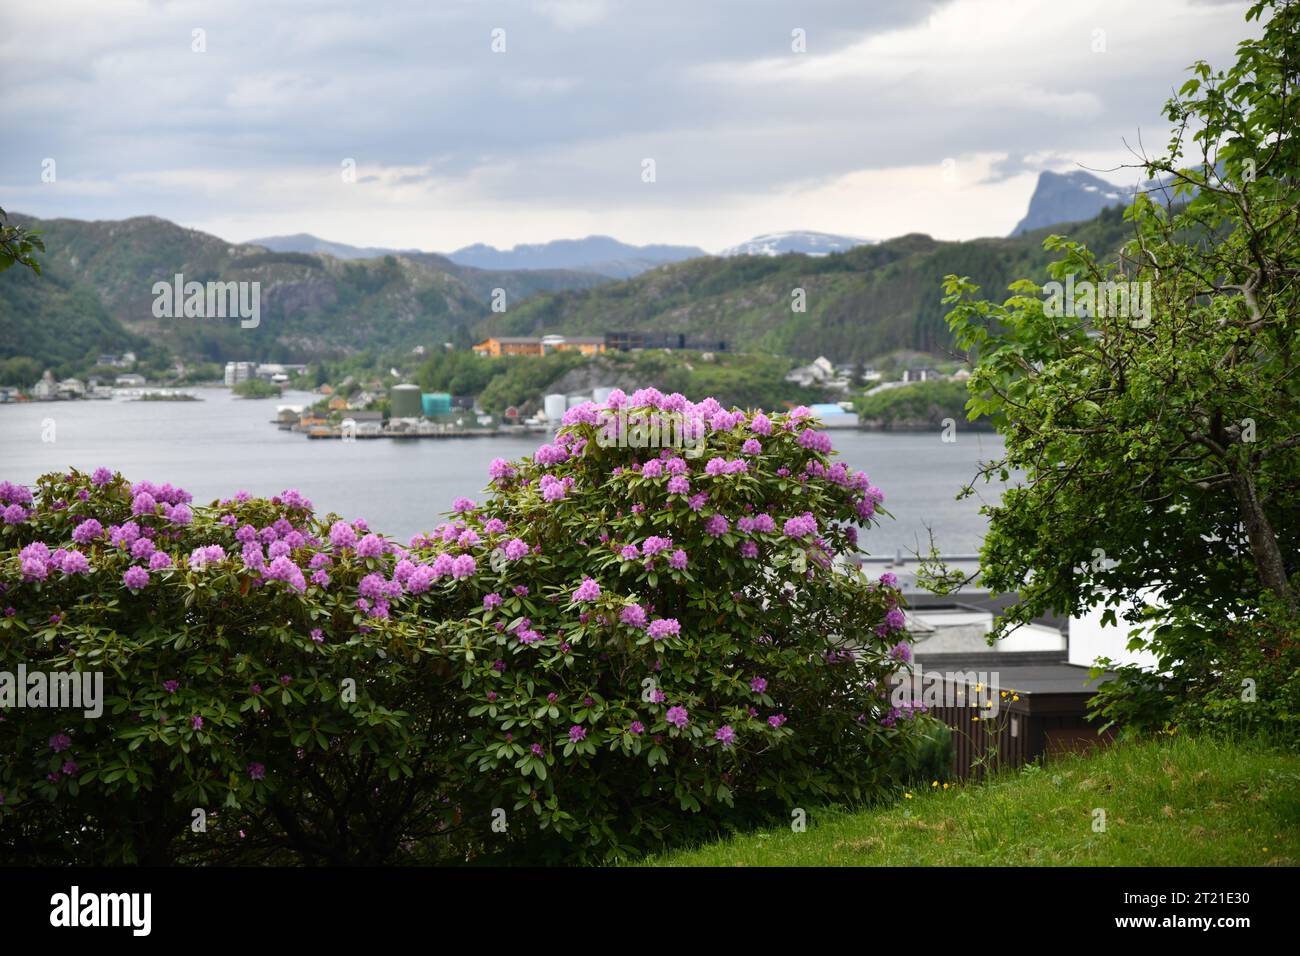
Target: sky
[(434, 124)]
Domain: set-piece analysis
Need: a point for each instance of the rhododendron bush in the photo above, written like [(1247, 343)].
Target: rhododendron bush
[(250, 711), (620, 647)]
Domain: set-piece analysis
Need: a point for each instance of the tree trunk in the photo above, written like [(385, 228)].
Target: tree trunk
[(1263, 541)]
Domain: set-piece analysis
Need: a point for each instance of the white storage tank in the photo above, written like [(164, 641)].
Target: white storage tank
[(555, 406), (601, 395)]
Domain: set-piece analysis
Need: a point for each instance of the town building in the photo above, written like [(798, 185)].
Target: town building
[(819, 373), (631, 341), (237, 372), (72, 388), (498, 346), (46, 390)]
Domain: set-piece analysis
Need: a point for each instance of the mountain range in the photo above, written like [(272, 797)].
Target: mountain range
[(599, 254), (96, 293), (860, 299), (602, 255), (857, 305), (1069, 197)]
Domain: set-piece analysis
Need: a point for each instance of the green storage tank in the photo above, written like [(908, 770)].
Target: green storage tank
[(436, 403), (404, 401)]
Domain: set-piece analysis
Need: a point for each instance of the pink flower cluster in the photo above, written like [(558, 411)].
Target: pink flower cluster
[(722, 466), (803, 526), (760, 522)]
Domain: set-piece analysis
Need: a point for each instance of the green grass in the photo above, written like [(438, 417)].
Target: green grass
[(1172, 802)]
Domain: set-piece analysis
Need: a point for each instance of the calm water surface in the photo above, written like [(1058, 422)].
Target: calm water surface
[(222, 444)]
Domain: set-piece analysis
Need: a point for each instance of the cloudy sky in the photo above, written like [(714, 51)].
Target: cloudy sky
[(898, 116)]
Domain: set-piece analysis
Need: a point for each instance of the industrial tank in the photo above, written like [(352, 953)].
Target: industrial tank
[(404, 401), (555, 405), (435, 404)]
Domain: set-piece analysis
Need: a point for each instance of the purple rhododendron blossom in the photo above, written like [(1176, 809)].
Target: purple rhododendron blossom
[(661, 629), (803, 526), (74, 562), (87, 531), (342, 535), (717, 526)]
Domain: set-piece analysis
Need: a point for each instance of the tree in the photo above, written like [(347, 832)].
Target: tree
[(17, 243), (1157, 423)]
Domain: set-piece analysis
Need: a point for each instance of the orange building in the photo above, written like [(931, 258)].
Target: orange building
[(516, 345), (508, 345)]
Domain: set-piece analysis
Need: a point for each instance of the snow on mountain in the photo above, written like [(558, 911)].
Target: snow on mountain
[(808, 243)]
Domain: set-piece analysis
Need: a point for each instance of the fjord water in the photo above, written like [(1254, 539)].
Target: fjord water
[(222, 444)]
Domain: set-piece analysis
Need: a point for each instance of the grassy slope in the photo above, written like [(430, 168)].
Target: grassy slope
[(1174, 802)]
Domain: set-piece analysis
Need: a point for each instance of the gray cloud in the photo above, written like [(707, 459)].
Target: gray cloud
[(554, 129)]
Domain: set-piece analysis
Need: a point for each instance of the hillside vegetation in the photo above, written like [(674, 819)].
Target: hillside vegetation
[(861, 303), (96, 295)]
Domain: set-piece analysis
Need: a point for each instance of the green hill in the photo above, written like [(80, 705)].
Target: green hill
[(96, 293), (860, 303)]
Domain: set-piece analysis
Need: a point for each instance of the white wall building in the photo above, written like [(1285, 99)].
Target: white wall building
[(1090, 639), (237, 372)]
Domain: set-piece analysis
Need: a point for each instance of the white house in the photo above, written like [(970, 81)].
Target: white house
[(45, 390), (1091, 639)]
